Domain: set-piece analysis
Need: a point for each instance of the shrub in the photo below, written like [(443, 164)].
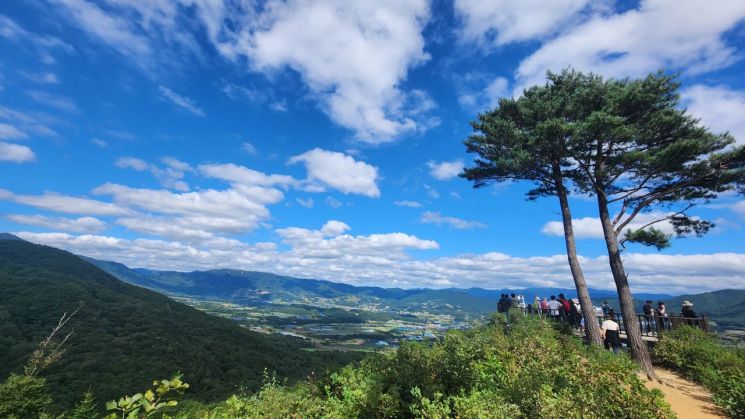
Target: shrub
[(23, 396), (525, 370), (699, 357)]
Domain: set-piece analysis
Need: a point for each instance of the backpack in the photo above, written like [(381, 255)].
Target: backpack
[(567, 307)]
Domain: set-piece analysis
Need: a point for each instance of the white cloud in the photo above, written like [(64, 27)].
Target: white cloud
[(16, 153), (487, 97), (412, 204), (248, 147), (76, 225), (590, 227), (110, 28), (357, 72), (445, 170), (333, 202), (170, 177), (339, 171), (431, 217), (501, 22), (720, 108), (381, 260), (9, 132), (738, 207), (305, 203), (640, 40), (243, 175), (182, 102), (42, 78), (26, 123), (334, 228), (11, 30), (61, 103), (176, 164), (63, 203), (99, 143), (132, 163)]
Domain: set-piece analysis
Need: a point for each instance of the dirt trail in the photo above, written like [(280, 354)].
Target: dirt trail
[(687, 399)]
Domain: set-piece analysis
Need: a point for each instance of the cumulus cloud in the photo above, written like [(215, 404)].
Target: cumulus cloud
[(640, 40), (16, 153), (244, 176), (228, 209), (75, 225), (499, 22), (132, 163), (181, 102), (590, 227), (356, 75), (334, 228), (720, 108), (339, 171), (432, 217), (381, 260), (357, 72), (445, 170)]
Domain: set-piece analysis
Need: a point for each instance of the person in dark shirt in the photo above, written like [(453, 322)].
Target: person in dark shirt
[(605, 307), (688, 310), (649, 315)]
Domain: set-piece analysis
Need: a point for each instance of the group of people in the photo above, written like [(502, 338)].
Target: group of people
[(569, 310)]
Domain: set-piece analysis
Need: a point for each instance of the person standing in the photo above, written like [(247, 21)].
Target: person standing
[(575, 313), (611, 332), (688, 313), (605, 307), (661, 314), (648, 315), (554, 308), (544, 306)]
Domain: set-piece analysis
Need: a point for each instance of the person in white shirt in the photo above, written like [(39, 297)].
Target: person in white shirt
[(610, 330), (554, 308)]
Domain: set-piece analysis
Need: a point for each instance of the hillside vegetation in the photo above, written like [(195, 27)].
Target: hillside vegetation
[(526, 370), (125, 336)]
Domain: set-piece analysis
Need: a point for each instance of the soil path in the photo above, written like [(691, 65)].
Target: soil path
[(687, 399)]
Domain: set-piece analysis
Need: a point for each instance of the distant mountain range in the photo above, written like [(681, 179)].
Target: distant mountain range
[(725, 307), (125, 336), (251, 286)]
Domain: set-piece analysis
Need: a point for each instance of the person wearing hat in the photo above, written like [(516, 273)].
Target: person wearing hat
[(537, 304), (688, 313)]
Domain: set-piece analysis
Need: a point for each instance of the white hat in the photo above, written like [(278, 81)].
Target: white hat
[(687, 303), (575, 301)]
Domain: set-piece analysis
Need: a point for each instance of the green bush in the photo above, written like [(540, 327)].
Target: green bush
[(699, 357), (525, 370), (23, 396)]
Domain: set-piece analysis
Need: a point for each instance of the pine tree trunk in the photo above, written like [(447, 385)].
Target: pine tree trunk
[(633, 332), (592, 330)]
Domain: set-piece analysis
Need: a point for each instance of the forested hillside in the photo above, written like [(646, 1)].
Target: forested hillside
[(125, 336)]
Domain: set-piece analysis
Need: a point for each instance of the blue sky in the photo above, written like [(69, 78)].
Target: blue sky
[(323, 139)]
